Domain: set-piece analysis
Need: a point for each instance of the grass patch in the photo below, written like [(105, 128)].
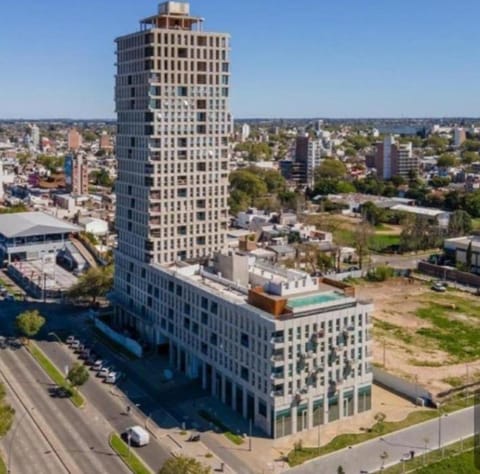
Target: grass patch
[(459, 338), (392, 329), (453, 381), (114, 346), (52, 371), (133, 462), (234, 438), (381, 428), (380, 242), (457, 457), (3, 468)]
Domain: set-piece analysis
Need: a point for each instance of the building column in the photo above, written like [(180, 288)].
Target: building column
[(223, 391), (234, 395), (204, 375)]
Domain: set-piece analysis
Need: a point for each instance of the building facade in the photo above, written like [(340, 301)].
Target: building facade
[(76, 174), (74, 140), (283, 349), (394, 159)]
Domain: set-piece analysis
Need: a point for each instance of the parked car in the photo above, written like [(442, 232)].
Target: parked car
[(112, 377), (85, 354), (91, 359), (70, 340), (75, 344), (439, 287), (103, 372)]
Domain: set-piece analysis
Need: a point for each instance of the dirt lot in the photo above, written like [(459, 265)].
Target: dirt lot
[(425, 336)]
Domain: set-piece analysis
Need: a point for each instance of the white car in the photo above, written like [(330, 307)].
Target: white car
[(112, 377), (75, 344), (70, 339), (103, 372)]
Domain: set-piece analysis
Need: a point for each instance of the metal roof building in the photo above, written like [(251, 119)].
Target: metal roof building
[(31, 235)]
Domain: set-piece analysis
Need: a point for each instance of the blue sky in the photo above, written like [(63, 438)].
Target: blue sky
[(303, 58)]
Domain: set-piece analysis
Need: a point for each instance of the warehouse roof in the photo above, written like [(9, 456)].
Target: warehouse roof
[(27, 224)]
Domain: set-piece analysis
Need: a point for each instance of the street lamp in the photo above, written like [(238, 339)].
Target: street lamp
[(9, 469)]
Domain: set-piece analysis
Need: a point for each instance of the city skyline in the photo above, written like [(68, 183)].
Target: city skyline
[(341, 60)]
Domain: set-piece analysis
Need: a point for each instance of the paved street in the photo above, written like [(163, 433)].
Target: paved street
[(81, 435), (26, 445), (366, 456), (112, 407)]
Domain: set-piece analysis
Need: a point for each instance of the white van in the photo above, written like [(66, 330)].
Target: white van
[(137, 436)]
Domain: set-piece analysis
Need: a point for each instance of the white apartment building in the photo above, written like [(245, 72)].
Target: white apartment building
[(283, 349), (315, 155), (245, 131)]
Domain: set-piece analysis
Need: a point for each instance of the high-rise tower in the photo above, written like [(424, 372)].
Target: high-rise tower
[(172, 100)]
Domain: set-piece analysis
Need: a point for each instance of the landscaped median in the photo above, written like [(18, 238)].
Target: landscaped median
[(55, 374), (133, 462), (3, 468)]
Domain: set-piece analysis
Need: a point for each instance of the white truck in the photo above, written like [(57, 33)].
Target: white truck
[(137, 436)]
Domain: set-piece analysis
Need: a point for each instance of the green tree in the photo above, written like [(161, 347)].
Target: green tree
[(469, 157), (101, 178), (29, 322), (183, 465), (89, 135), (94, 283), (52, 163), (446, 160), (78, 374), (340, 470), (472, 203), (460, 223), (274, 181), (439, 144), (372, 213), (440, 181), (471, 145), (362, 235), (330, 168)]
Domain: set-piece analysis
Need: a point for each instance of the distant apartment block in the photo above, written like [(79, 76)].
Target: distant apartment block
[(76, 174), (245, 132), (394, 159), (459, 136), (105, 142), (74, 140)]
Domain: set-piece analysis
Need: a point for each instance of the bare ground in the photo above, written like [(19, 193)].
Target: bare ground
[(401, 350)]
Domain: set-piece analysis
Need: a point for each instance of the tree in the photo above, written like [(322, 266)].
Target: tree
[(101, 178), (472, 203), (362, 234), (183, 465), (330, 168), (30, 322), (78, 374), (460, 223), (340, 470), (446, 160), (94, 283), (469, 157), (372, 213)]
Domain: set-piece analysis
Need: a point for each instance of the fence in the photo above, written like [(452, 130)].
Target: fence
[(451, 274), (132, 346), (410, 390)]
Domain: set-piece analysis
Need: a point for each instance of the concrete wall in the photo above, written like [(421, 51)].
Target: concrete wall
[(451, 274), (403, 387), (133, 346)]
